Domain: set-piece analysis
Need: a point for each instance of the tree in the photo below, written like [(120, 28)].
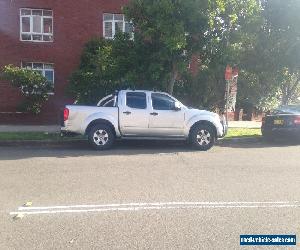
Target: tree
[(167, 34), (272, 60), (35, 87), (108, 65), (103, 68), (173, 30), (232, 27)]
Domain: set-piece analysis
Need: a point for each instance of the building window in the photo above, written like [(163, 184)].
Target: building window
[(113, 23), (45, 69), (36, 25)]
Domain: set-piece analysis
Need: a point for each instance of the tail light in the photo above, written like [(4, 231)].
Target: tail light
[(66, 114), (297, 120), (263, 121)]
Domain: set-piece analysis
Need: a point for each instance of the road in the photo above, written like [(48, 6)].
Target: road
[(147, 196)]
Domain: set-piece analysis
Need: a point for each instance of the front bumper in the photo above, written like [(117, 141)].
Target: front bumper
[(223, 129)]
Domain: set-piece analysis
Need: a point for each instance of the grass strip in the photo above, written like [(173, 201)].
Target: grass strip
[(35, 136), (243, 132)]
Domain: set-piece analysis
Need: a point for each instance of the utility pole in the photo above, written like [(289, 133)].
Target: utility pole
[(228, 78)]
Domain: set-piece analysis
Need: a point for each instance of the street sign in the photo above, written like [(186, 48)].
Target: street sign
[(231, 75), (235, 72), (228, 73)]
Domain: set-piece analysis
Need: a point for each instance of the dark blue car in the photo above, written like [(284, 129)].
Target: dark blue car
[(282, 123)]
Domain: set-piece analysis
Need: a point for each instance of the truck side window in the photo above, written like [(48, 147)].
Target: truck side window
[(136, 100), (162, 102)]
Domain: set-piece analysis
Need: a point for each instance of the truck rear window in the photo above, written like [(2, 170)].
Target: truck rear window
[(109, 101)]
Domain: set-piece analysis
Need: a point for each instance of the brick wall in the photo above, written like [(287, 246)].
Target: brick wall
[(74, 23)]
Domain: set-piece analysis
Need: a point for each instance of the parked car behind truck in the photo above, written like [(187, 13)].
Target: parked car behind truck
[(139, 114), (282, 123)]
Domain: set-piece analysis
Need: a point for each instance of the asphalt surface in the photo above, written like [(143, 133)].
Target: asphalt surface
[(251, 188)]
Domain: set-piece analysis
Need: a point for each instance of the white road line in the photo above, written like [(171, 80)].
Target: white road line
[(147, 206), (156, 204)]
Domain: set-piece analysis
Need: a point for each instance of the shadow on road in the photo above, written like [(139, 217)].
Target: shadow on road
[(78, 149), (81, 148), (259, 143)]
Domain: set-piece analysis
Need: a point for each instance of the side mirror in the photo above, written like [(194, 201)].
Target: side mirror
[(177, 106)]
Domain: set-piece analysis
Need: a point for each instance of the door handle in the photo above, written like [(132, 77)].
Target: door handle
[(127, 112), (154, 113)]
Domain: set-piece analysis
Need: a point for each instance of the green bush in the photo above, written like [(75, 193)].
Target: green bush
[(108, 65), (205, 90), (34, 87), (98, 75)]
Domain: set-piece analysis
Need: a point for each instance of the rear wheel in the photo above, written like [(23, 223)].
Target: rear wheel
[(101, 137), (202, 137)]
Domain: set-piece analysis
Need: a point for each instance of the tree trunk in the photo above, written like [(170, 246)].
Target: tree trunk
[(173, 78), (284, 99), (288, 92), (292, 90)]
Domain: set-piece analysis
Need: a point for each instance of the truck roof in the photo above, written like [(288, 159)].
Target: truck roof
[(142, 90)]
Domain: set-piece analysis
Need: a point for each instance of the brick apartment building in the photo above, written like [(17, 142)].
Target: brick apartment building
[(48, 36)]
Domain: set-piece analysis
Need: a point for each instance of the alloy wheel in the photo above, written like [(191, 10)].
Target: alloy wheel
[(203, 137), (100, 137)]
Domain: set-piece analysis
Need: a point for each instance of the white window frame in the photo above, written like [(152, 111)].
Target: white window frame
[(114, 21), (43, 70), (31, 33)]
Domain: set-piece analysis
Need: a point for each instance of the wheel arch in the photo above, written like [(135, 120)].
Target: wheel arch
[(204, 122), (100, 121)]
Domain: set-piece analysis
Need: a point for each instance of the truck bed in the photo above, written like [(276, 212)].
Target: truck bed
[(79, 116)]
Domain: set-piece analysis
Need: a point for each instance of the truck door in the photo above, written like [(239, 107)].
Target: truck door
[(134, 116), (165, 119)]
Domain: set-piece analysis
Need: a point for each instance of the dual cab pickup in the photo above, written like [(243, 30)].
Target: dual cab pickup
[(139, 114)]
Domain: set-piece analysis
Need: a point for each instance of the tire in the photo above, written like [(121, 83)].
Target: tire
[(202, 137), (101, 137)]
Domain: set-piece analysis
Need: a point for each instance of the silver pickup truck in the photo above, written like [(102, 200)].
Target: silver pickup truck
[(139, 114)]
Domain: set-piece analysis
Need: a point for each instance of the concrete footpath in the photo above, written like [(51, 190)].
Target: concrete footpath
[(56, 128)]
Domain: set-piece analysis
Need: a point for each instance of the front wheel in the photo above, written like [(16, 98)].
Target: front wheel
[(101, 137), (202, 137)]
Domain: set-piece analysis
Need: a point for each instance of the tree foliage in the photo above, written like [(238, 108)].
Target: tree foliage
[(167, 34), (107, 65), (34, 87), (232, 27), (172, 30), (271, 63), (261, 37), (98, 72)]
